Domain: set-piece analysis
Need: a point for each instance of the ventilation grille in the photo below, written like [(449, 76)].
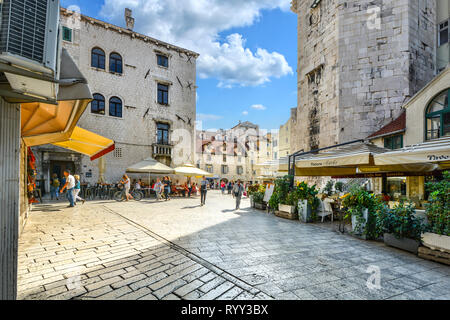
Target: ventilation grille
[(23, 28)]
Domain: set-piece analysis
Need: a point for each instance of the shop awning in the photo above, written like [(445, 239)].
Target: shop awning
[(190, 171), (88, 143), (43, 122), (433, 153), (149, 165), (346, 156)]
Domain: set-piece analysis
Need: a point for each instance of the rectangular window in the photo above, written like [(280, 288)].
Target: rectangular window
[(394, 142), (163, 61), (239, 170), (162, 133), (67, 34), (224, 158), (163, 94), (209, 168), (443, 33), (224, 169)]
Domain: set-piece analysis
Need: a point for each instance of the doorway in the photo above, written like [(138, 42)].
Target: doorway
[(58, 167)]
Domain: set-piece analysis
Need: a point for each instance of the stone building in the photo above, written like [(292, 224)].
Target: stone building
[(144, 99), (285, 135), (233, 153), (358, 63)]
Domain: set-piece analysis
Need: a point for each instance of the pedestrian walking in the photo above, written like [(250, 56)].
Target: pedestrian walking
[(166, 186), (77, 189), (203, 189), (69, 185), (158, 188), (189, 186), (54, 187), (238, 190), (126, 184), (222, 186), (229, 187)]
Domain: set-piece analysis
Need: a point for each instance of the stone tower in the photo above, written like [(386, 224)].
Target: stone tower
[(358, 63)]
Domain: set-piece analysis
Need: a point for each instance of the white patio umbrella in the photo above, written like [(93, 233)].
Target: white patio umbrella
[(190, 170), (149, 166)]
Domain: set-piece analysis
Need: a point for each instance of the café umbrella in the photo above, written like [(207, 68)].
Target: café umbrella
[(190, 170)]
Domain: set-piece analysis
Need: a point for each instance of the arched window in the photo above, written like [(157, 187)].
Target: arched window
[(115, 62), (98, 58), (115, 107), (98, 104), (437, 117)]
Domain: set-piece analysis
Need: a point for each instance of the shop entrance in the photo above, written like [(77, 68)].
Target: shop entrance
[(58, 167)]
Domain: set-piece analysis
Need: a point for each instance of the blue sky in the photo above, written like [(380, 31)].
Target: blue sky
[(248, 52)]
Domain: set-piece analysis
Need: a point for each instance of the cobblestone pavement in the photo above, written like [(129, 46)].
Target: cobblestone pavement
[(180, 250)]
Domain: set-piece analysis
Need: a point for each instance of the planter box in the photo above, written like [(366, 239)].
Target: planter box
[(304, 211), (434, 255), (286, 215), (252, 203), (436, 241), (261, 206), (362, 226), (286, 208), (403, 243)]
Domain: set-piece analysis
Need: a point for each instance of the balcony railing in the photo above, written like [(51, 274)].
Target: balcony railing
[(162, 149)]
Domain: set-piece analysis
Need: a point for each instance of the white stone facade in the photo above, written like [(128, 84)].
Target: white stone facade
[(135, 133)]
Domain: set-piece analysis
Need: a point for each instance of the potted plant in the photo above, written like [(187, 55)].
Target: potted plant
[(362, 207), (400, 227), (339, 187), (288, 204), (258, 197), (437, 236), (328, 190), (307, 202), (252, 189)]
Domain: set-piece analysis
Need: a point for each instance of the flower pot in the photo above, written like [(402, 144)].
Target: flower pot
[(359, 229), (304, 211), (260, 206), (406, 244), (436, 241), (286, 208)]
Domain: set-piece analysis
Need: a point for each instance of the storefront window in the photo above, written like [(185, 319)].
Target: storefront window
[(396, 187)]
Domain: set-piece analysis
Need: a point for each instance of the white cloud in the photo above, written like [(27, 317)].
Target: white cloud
[(207, 117), (196, 25), (258, 107), (245, 112)]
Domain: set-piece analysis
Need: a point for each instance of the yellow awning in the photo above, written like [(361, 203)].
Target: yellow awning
[(88, 143)]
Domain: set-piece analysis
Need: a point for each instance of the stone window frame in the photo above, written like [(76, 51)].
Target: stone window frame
[(224, 169), (98, 55), (104, 104), (115, 59), (64, 29), (115, 103), (443, 28), (164, 83)]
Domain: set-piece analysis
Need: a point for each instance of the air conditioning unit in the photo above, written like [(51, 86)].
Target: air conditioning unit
[(30, 44)]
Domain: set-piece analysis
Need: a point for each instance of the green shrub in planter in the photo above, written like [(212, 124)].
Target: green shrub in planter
[(356, 201), (400, 222), (438, 210), (328, 190), (339, 186), (280, 192)]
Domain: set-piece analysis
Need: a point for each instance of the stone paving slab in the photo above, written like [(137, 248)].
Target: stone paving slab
[(180, 250), (92, 253)]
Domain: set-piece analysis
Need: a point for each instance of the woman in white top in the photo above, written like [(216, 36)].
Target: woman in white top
[(126, 183)]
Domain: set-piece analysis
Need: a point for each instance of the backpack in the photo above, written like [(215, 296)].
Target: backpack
[(56, 182)]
